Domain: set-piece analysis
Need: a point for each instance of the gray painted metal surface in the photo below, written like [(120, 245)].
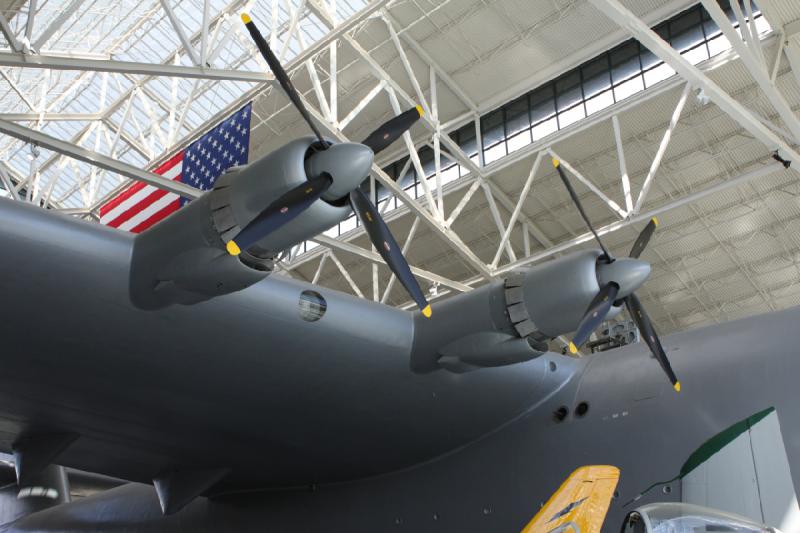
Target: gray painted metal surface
[(241, 377), (345, 423)]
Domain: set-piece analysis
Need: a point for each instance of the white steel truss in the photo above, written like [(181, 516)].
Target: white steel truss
[(632, 214), (147, 111)]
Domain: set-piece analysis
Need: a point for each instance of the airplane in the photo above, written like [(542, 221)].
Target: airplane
[(675, 516), (235, 400), (580, 505)]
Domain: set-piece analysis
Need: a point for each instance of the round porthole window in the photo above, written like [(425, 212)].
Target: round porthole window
[(312, 306)]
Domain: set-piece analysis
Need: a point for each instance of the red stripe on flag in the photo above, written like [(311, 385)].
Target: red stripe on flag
[(124, 195), (169, 163), (138, 186), (157, 217), (138, 207)]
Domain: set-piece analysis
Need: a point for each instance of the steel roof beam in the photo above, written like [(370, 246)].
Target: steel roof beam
[(611, 204), (345, 274), (444, 232), (760, 172), (523, 196), (750, 55), (662, 149), (8, 183), (176, 23), (50, 117), (295, 62), (650, 39), (742, 179), (451, 145), (8, 33), (108, 112), (16, 88), (335, 244), (473, 180), (38, 138), (299, 60), (56, 24), (29, 22), (12, 59), (440, 72), (623, 168), (593, 120)]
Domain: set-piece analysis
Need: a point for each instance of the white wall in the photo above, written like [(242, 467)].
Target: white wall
[(750, 477)]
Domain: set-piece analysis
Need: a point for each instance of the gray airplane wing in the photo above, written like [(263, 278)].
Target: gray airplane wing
[(243, 382)]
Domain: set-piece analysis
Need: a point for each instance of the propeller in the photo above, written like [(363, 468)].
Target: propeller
[(618, 279), (644, 237), (279, 213), (577, 202), (280, 74), (384, 242), (647, 330), (392, 129), (346, 170), (594, 315)]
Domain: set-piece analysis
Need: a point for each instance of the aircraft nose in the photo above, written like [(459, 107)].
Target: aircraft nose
[(628, 273), (347, 163)]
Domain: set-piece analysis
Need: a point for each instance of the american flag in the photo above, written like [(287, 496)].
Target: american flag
[(140, 206)]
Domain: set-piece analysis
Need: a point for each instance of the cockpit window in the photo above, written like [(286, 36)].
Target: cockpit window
[(698, 524), (634, 524), (675, 517)]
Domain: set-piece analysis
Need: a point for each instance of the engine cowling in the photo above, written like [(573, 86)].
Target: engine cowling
[(239, 197), (183, 258), (510, 321), (549, 299)]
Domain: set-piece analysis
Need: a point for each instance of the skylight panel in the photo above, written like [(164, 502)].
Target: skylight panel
[(129, 31)]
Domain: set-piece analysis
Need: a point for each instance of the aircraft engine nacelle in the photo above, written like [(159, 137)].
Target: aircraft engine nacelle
[(183, 259), (509, 321), (549, 299), (238, 197)]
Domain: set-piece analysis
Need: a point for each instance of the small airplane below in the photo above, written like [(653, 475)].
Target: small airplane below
[(581, 503), (233, 400)]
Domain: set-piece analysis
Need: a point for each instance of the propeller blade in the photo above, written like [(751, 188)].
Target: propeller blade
[(279, 213), (392, 129), (594, 315), (647, 330), (574, 196), (280, 74), (384, 242), (643, 238)]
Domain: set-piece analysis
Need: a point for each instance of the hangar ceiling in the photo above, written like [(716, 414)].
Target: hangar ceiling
[(136, 82)]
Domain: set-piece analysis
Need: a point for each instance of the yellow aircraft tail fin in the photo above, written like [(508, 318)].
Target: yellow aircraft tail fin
[(580, 504)]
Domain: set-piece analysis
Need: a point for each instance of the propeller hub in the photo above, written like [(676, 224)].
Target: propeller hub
[(627, 273), (348, 165)]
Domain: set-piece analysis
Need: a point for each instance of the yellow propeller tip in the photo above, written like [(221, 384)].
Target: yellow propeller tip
[(233, 248), (556, 162), (427, 311), (420, 111), (655, 221), (572, 348), (677, 386), (246, 18)]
